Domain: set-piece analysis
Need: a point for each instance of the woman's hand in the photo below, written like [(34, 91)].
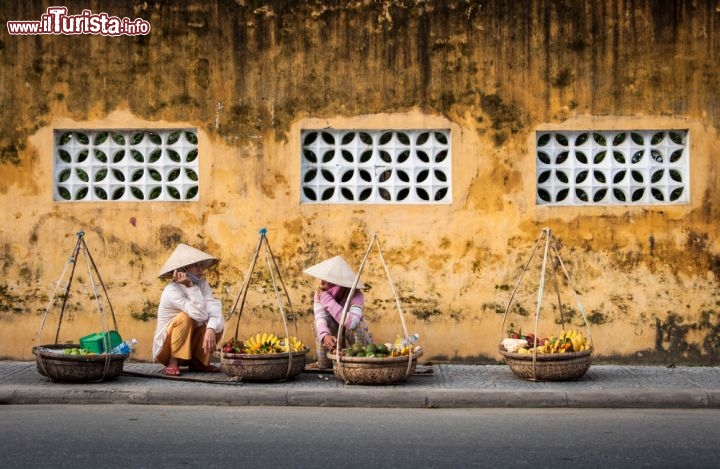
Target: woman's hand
[(209, 341), (319, 293), (330, 342), (182, 278)]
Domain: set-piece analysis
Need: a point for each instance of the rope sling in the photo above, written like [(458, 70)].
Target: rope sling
[(275, 277), (338, 358), (95, 281), (550, 256)]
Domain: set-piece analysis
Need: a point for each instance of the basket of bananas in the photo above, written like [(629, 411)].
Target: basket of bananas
[(264, 357), (565, 357), (382, 363)]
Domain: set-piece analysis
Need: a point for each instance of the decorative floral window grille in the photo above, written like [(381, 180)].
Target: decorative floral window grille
[(376, 166), (625, 167), (126, 165)]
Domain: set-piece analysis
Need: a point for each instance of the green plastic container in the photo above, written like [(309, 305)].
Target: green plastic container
[(96, 342)]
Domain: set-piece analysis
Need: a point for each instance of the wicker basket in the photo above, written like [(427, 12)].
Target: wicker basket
[(548, 366), (263, 368), (373, 370), (54, 364)]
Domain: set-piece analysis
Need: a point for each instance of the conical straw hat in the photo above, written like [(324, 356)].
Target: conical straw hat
[(185, 255), (336, 271)]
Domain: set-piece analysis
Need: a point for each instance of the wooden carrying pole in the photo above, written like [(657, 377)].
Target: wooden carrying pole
[(95, 280), (346, 307), (275, 277), (550, 256)]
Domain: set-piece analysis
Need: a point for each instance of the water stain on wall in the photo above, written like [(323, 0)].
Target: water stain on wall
[(245, 74)]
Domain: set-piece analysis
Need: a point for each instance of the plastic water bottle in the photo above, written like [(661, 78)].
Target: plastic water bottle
[(124, 348)]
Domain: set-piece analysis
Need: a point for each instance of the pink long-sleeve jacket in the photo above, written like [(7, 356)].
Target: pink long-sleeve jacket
[(328, 311)]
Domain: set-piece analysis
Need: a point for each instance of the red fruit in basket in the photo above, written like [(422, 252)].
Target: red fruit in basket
[(227, 348), (514, 335)]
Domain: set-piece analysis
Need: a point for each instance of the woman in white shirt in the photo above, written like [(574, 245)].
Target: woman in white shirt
[(189, 318)]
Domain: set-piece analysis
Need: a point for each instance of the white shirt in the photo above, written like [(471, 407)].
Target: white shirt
[(197, 301)]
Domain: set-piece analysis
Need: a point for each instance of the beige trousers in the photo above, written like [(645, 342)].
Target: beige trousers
[(184, 341)]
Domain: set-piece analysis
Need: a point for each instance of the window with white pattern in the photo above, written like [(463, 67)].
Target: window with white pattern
[(126, 165), (376, 166), (620, 167)]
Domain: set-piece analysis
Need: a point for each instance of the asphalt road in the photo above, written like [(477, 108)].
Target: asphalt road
[(135, 436)]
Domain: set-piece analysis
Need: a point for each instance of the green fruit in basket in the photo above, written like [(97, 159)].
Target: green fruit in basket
[(369, 354), (382, 349), (381, 355), (357, 348), (372, 348), (348, 352)]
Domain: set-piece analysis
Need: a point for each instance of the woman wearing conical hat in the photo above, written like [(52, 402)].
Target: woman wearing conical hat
[(189, 318), (336, 280)]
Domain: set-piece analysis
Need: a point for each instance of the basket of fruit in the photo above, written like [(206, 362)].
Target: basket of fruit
[(565, 357), (263, 358), (93, 358), (72, 364), (379, 363), (554, 358), (376, 363)]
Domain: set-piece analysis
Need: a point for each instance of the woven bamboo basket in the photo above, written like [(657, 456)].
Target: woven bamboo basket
[(550, 366), (50, 359), (373, 370), (535, 366), (53, 364), (263, 368)]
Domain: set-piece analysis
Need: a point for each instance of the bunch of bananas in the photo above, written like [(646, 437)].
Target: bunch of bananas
[(262, 343), (296, 345), (567, 341), (267, 343)]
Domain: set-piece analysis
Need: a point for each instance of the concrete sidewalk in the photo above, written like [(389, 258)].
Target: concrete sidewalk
[(440, 385)]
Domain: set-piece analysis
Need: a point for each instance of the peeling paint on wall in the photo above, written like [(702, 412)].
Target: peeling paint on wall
[(250, 77)]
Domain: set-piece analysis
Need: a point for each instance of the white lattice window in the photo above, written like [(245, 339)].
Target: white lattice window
[(126, 165), (376, 166), (625, 167)]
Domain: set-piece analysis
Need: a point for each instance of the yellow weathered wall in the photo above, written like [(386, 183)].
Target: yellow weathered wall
[(250, 75)]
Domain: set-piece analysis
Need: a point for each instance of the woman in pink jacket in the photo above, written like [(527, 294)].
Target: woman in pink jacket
[(336, 279)]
